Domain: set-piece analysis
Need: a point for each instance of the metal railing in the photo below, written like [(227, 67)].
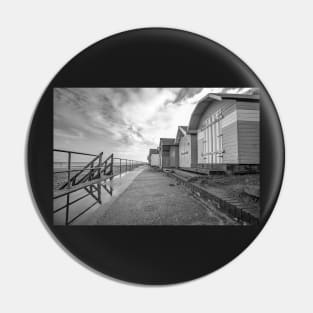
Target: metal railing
[(91, 178)]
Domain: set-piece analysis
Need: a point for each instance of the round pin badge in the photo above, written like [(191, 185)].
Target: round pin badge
[(155, 156)]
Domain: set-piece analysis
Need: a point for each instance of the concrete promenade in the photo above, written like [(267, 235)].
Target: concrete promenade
[(153, 198)]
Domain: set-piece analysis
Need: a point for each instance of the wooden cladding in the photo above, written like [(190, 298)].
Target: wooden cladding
[(241, 115), (230, 134)]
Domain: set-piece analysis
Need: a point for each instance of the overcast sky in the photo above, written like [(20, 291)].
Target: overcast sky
[(124, 121)]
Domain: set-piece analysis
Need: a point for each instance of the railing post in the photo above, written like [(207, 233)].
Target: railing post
[(120, 167), (67, 208), (104, 167), (91, 171), (112, 164), (69, 169), (68, 186), (100, 163), (99, 193)]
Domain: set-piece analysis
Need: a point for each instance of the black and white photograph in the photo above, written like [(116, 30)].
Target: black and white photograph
[(156, 156)]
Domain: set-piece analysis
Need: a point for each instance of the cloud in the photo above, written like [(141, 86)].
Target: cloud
[(125, 121), (186, 93)]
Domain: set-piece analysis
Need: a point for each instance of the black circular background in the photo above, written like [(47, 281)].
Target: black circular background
[(154, 57)]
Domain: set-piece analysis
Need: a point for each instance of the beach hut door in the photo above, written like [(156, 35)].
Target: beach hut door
[(213, 146)]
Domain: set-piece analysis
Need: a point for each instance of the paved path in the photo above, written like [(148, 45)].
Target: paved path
[(154, 199)]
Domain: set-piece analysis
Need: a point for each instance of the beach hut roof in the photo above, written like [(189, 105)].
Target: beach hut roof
[(153, 151), (206, 101), (181, 131), (167, 141)]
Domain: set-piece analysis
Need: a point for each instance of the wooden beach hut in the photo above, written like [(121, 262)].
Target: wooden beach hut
[(168, 152), (153, 157), (227, 127), (187, 148)]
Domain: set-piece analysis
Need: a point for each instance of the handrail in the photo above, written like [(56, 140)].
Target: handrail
[(74, 152), (97, 170), (78, 170)]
